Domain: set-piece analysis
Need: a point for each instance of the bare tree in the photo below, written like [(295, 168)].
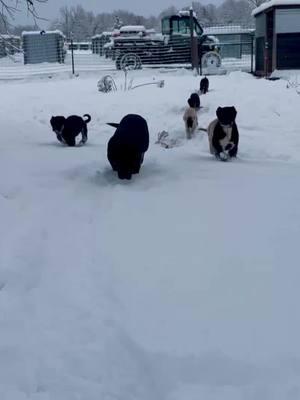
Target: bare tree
[(18, 29), (8, 9), (256, 3)]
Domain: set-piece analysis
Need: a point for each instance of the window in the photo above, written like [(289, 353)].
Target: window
[(184, 26), (165, 26)]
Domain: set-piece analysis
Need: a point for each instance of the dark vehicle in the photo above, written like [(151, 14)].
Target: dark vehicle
[(171, 47)]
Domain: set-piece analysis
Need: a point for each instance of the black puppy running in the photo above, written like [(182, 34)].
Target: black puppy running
[(126, 148), (67, 129), (204, 85), (194, 101)]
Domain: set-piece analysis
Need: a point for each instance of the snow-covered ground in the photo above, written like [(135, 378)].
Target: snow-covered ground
[(182, 284), (13, 67)]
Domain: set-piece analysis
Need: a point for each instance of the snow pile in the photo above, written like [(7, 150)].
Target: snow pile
[(38, 33), (180, 284), (132, 28)]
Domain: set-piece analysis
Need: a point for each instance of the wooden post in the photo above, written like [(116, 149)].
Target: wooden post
[(72, 54), (252, 53), (194, 44), (266, 58)]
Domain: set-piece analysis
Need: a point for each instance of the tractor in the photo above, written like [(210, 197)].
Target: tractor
[(172, 46)]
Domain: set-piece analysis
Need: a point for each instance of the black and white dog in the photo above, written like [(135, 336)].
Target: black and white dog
[(204, 85), (126, 148), (223, 134), (67, 129)]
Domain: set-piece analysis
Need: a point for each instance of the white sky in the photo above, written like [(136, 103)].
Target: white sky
[(50, 10)]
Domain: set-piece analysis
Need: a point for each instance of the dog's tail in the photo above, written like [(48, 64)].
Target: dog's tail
[(88, 118), (113, 124), (202, 129)]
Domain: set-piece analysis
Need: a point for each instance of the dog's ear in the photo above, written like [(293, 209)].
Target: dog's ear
[(234, 111), (113, 124), (219, 112), (190, 103)]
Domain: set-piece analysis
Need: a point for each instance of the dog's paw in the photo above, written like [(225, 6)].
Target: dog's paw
[(222, 156)]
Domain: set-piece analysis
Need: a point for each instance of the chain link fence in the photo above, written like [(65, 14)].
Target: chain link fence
[(223, 49)]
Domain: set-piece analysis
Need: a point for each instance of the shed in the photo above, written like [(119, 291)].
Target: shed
[(43, 46), (234, 40), (277, 36)]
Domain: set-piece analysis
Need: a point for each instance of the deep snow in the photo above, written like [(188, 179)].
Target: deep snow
[(181, 284)]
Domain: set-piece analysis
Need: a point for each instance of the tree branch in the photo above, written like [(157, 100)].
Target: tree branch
[(9, 8)]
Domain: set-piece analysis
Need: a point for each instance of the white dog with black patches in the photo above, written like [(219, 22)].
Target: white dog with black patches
[(223, 134)]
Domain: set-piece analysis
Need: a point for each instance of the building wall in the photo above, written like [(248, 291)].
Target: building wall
[(260, 33), (287, 41), (260, 25)]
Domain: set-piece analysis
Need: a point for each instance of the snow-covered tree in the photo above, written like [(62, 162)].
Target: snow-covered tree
[(118, 22), (234, 11), (17, 30), (3, 25)]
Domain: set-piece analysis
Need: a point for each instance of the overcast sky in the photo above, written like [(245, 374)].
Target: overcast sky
[(50, 10)]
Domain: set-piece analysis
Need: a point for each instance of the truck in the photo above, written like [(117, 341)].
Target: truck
[(136, 47)]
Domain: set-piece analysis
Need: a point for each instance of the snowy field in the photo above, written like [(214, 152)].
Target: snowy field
[(182, 284)]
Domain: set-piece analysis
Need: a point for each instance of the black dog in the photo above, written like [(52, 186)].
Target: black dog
[(126, 148), (194, 101), (67, 129), (223, 134), (204, 85)]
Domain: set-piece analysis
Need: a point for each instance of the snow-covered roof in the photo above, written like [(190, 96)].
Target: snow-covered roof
[(226, 30), (132, 28), (99, 35), (41, 32), (274, 3), (186, 13), (78, 42)]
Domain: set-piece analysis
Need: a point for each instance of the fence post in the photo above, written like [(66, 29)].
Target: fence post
[(200, 59), (72, 54), (194, 43), (252, 53)]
